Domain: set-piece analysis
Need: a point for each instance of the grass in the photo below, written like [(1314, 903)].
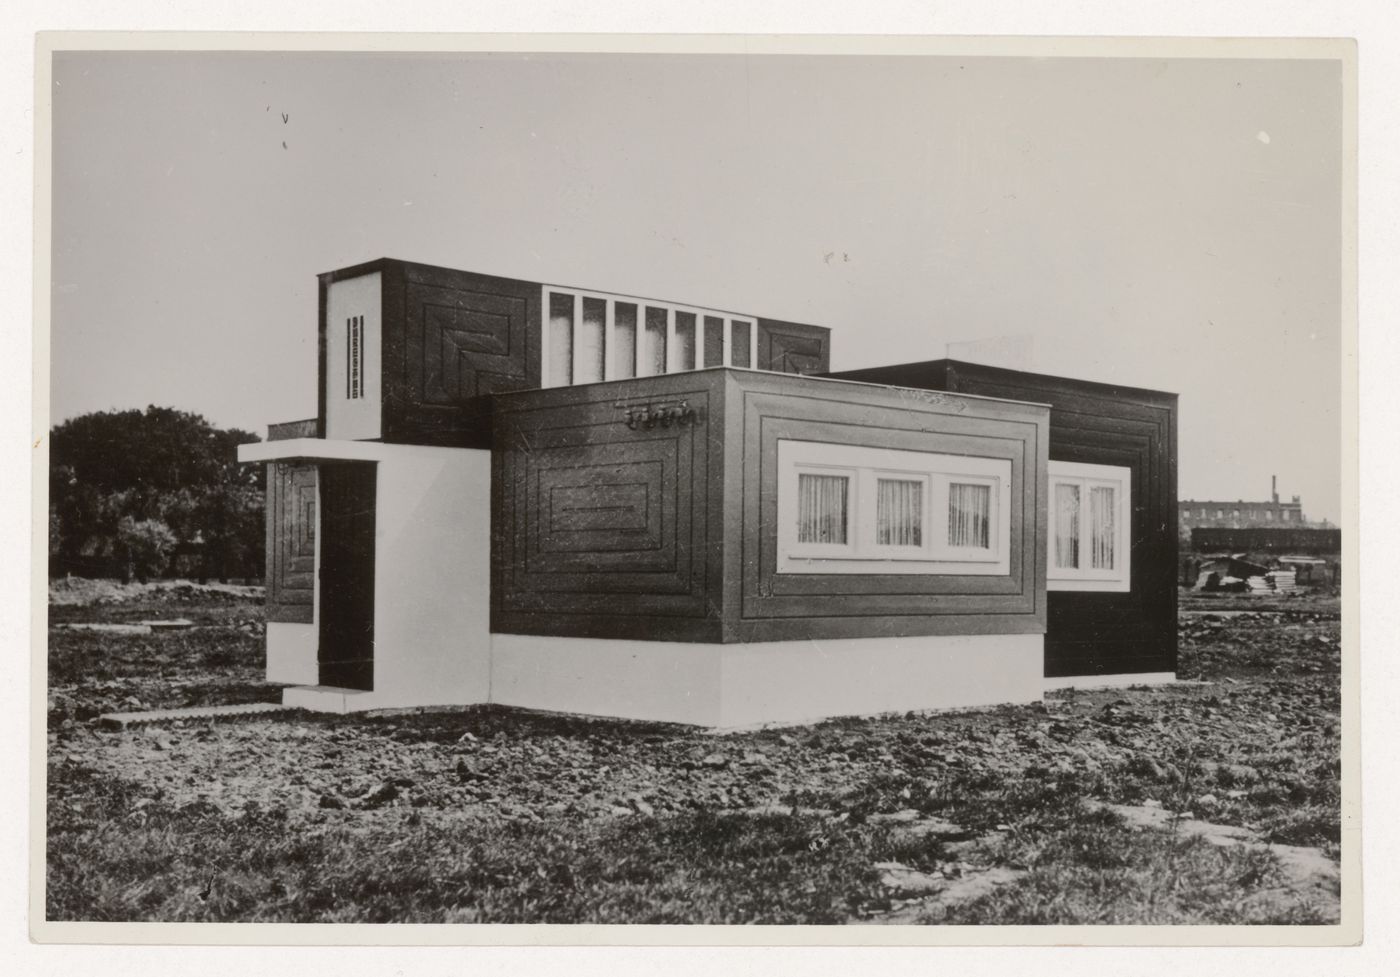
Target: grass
[(497, 816)]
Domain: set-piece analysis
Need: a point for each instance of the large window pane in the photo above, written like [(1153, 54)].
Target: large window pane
[(969, 515), (899, 512), (714, 341), (1066, 518), (561, 339), (739, 343), (590, 341), (822, 508), (1102, 535), (685, 341), (653, 358), (624, 340)]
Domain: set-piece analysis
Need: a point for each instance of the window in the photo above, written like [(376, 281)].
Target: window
[(593, 336), (354, 357), (1220, 513), (1089, 531), (1287, 515), (848, 509), (1268, 515)]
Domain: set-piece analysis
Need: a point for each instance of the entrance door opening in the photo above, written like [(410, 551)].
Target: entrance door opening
[(345, 655)]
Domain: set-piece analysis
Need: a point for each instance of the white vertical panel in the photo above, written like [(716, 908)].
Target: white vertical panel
[(671, 357), (577, 329), (609, 324), (358, 418), (546, 360)]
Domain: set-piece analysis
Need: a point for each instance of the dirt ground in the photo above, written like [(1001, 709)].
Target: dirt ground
[(1211, 800)]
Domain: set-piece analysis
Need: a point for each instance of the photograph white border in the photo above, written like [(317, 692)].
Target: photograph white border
[(233, 933)]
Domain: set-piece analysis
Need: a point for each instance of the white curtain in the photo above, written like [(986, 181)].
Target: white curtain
[(1066, 526), (1101, 527), (899, 517), (821, 508), (969, 515)]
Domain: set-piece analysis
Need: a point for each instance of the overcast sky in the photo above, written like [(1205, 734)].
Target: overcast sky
[(1166, 224)]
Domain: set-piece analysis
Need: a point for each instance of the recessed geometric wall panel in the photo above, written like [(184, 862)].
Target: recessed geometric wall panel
[(463, 333), (291, 543), (602, 526)]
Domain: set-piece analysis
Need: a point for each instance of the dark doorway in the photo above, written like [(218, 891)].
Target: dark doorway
[(345, 655)]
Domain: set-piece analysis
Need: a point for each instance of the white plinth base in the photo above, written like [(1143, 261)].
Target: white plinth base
[(726, 686), (1109, 681), (291, 653)]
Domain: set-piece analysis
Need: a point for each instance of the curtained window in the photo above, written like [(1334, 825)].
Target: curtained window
[(1067, 525), (853, 509), (1089, 507), (822, 508), (899, 512), (969, 515)]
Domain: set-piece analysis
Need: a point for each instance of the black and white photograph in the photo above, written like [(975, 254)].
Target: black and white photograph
[(884, 485)]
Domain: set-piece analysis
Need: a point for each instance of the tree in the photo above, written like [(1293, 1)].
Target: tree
[(145, 547), (164, 467)]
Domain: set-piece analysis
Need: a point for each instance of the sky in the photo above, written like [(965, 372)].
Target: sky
[(1172, 224)]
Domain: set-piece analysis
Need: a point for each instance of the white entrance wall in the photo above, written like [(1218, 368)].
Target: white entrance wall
[(432, 578)]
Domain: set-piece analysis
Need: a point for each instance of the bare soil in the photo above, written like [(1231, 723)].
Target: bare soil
[(1005, 815)]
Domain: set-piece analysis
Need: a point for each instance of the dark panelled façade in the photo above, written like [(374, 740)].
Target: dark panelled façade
[(648, 509), (1094, 633)]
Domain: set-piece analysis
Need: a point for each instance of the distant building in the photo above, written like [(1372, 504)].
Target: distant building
[(1239, 514)]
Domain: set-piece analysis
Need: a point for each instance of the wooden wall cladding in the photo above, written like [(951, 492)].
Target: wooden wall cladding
[(603, 530), (1095, 633), (286, 430), (775, 606), (291, 543), (793, 347), (670, 533), (451, 338)]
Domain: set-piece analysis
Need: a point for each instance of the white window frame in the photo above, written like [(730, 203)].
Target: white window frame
[(861, 553), (673, 363), (1086, 477)]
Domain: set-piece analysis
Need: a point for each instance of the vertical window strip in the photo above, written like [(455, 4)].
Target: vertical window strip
[(1066, 525), (822, 506), (359, 356), (899, 515), (1102, 529), (354, 357), (969, 515)]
